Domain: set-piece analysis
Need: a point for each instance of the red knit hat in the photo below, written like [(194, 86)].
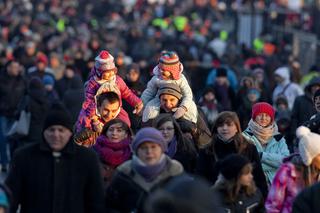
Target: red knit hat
[(262, 107), (104, 61), (41, 57), (169, 61)]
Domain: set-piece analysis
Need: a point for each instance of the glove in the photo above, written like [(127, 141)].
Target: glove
[(138, 109), (179, 112)]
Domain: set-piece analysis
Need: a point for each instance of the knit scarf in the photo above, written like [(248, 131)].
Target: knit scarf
[(172, 147), (149, 172), (263, 133), (112, 153)]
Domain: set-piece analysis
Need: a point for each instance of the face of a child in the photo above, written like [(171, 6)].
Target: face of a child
[(282, 107), (107, 75), (209, 96), (133, 76), (227, 130), (252, 97), (246, 178)]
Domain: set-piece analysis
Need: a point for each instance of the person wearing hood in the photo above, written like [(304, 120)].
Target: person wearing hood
[(285, 87), (262, 131), (149, 169), (297, 172), (55, 174)]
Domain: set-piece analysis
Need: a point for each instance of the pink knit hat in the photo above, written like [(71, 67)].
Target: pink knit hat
[(262, 107), (169, 61), (104, 62)]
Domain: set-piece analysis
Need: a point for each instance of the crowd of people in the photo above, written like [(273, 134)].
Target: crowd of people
[(148, 106)]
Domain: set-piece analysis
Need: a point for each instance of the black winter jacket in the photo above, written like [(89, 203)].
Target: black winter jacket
[(71, 183)]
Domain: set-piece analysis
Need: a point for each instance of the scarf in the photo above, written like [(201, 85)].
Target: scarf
[(149, 172), (224, 140), (172, 147), (113, 154), (263, 133)]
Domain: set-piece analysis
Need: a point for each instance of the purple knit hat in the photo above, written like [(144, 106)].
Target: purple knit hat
[(149, 134)]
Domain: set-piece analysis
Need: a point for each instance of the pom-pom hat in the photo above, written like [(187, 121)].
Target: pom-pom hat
[(262, 107), (169, 61), (309, 144), (104, 61)]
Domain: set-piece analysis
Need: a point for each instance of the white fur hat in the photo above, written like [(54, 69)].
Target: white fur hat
[(309, 144)]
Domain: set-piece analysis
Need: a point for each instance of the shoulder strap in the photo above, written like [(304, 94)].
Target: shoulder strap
[(284, 89)]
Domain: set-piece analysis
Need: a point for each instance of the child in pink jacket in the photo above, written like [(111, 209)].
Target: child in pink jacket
[(103, 77), (297, 172)]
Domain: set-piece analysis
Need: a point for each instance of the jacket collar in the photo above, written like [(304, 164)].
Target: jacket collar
[(68, 149)]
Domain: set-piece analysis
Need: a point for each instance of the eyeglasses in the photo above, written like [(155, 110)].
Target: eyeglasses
[(166, 129)]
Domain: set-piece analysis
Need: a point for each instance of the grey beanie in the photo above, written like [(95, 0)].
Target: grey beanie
[(170, 89)]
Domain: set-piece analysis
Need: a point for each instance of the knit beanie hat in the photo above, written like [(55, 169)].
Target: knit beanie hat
[(262, 107), (221, 72), (48, 80), (254, 91), (309, 144), (149, 134), (170, 89), (58, 115), (231, 166), (41, 57), (104, 62), (169, 61), (316, 94)]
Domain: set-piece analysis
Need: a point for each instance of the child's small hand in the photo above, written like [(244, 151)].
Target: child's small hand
[(179, 112), (138, 109), (97, 125)]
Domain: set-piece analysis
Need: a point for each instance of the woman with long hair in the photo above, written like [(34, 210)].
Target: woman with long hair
[(297, 172), (235, 189), (180, 147), (113, 147), (262, 131), (227, 139)]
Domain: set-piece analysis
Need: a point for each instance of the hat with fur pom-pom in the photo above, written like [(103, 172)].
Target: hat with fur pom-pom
[(309, 144)]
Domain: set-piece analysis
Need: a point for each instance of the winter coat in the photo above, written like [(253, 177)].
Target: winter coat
[(73, 99), (12, 90), (92, 90), (38, 106), (272, 154), (286, 185), (128, 189), (64, 84), (150, 97), (206, 164), (40, 182), (243, 204), (308, 200), (287, 88)]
